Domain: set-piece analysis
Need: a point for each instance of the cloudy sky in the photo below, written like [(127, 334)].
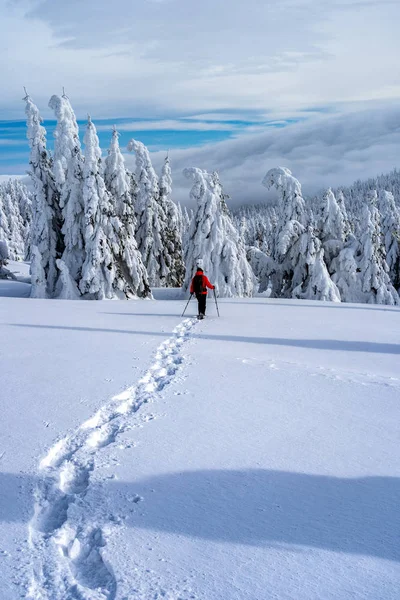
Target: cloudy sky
[(233, 85)]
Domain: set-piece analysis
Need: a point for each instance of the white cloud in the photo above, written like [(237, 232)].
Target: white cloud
[(7, 142), (327, 151), (169, 125), (164, 59)]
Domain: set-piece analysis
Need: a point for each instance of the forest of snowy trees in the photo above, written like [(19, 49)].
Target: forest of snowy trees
[(343, 245), (93, 230)]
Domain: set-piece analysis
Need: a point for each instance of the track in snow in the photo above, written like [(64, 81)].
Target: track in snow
[(66, 542)]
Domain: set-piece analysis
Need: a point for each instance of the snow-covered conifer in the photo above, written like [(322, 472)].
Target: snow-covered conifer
[(296, 246), (38, 276), (46, 216), (374, 271), (11, 223), (291, 223), (317, 285), (68, 288), (119, 185), (68, 172), (214, 240), (4, 256), (331, 226), (262, 266), (390, 226), (346, 272), (340, 199), (173, 240), (187, 218), (152, 219), (99, 269)]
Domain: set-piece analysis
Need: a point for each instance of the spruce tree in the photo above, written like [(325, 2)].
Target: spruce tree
[(390, 226), (68, 172), (46, 223), (152, 219), (213, 240), (331, 227), (38, 275), (119, 184), (99, 269), (173, 239), (374, 270), (295, 245)]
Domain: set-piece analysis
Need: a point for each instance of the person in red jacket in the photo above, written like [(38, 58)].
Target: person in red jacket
[(199, 286)]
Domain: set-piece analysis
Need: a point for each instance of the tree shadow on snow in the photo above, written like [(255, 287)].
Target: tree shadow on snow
[(175, 316), (271, 302), (336, 345), (258, 507), (272, 509)]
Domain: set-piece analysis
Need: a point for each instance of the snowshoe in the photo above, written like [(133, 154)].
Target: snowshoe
[(200, 317)]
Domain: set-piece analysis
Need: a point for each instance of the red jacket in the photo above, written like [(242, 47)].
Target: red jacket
[(205, 283)]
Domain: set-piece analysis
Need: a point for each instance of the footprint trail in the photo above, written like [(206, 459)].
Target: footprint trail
[(66, 539)]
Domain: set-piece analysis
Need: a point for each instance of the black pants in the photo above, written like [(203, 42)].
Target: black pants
[(202, 299)]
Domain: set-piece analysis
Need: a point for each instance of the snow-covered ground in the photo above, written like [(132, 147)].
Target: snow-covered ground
[(253, 456)]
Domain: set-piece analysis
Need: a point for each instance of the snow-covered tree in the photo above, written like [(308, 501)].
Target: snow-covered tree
[(291, 223), (297, 251), (46, 215), (374, 270), (99, 269), (213, 240), (68, 172), (4, 256), (340, 199), (346, 271), (262, 266), (12, 228), (152, 219), (360, 270), (119, 185), (173, 239), (390, 226), (187, 218), (331, 226), (317, 285), (38, 275), (68, 287)]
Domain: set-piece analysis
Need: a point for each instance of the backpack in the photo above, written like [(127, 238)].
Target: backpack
[(198, 286)]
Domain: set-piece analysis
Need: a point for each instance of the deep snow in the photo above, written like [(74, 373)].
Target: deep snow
[(144, 455)]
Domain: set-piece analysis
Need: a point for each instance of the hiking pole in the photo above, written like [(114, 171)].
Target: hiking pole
[(190, 297), (216, 303)]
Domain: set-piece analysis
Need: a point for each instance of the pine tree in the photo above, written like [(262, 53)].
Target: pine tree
[(213, 240), (38, 276), (390, 225), (152, 219), (187, 218), (262, 266), (317, 284), (11, 222), (346, 271), (46, 215), (289, 268), (173, 239), (374, 270), (331, 227), (119, 184), (4, 256), (68, 172), (99, 269), (295, 247), (69, 289)]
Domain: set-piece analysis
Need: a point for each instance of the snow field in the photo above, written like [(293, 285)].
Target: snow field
[(255, 458)]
